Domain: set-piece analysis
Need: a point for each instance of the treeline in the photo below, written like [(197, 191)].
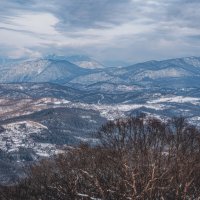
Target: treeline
[(137, 158)]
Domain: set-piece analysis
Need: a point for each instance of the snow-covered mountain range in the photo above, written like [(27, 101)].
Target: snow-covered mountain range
[(83, 72), (52, 103)]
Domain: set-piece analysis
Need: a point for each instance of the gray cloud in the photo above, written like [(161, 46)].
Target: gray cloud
[(129, 30)]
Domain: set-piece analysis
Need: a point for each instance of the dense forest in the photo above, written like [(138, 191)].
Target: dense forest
[(136, 158)]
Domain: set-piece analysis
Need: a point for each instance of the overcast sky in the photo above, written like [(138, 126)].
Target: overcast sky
[(109, 30)]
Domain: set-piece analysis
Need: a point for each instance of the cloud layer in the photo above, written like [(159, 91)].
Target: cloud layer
[(110, 30)]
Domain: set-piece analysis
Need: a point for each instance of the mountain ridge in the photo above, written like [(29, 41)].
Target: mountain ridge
[(57, 69)]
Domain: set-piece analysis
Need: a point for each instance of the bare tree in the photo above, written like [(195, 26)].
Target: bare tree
[(138, 158)]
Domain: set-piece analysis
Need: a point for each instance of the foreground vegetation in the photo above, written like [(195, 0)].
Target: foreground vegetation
[(137, 158)]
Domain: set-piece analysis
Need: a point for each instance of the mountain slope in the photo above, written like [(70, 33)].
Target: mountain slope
[(180, 67), (178, 73), (173, 72), (85, 62), (41, 70)]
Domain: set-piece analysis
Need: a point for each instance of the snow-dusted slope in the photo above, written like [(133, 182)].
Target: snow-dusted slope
[(41, 70), (85, 62), (161, 73), (178, 73), (174, 68), (19, 135)]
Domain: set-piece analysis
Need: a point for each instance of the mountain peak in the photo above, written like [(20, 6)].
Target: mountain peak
[(85, 62)]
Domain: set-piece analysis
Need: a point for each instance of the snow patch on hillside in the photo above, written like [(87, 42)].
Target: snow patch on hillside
[(176, 99), (89, 64), (18, 135), (162, 73)]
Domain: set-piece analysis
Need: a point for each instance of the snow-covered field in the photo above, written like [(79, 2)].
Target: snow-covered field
[(176, 99), (109, 111)]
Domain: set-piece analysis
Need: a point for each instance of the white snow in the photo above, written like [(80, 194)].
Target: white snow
[(176, 99), (86, 117), (162, 73), (89, 64), (18, 135), (88, 140)]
